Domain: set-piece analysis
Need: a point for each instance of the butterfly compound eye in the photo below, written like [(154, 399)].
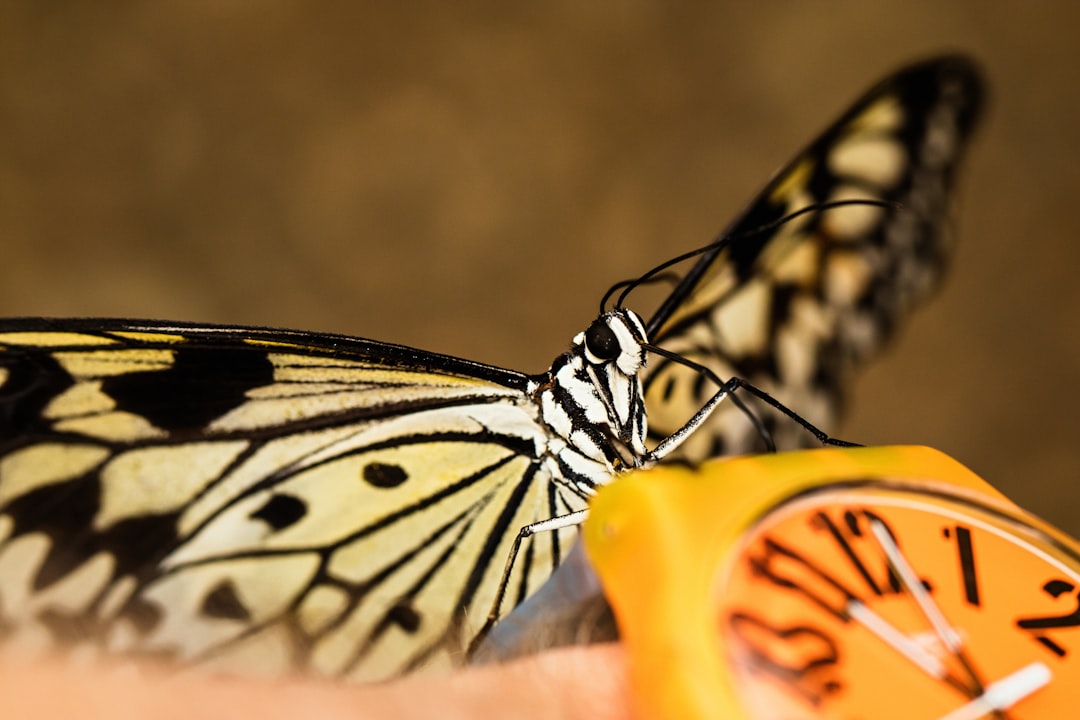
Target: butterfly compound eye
[(600, 340)]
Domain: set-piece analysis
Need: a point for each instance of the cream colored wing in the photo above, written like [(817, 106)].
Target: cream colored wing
[(260, 501), (793, 308)]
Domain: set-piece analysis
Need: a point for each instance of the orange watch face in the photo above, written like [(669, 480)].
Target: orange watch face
[(901, 603)]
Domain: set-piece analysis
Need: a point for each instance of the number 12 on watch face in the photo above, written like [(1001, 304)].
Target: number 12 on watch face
[(903, 601)]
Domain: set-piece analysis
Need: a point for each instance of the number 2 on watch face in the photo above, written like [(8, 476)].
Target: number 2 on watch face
[(871, 604)]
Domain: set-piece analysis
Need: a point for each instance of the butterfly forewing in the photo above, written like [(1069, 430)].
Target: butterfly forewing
[(261, 500), (793, 307)]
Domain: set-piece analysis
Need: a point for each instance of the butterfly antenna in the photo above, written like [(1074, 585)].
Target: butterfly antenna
[(736, 383), (671, 277), (723, 241)]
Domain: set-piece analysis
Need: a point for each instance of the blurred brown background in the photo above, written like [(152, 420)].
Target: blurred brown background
[(469, 178)]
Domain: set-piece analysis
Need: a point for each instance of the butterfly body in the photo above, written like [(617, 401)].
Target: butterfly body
[(275, 501)]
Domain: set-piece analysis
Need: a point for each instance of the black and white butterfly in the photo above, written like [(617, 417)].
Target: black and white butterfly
[(270, 501)]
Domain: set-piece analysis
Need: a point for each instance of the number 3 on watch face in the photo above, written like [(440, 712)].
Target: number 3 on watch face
[(901, 601)]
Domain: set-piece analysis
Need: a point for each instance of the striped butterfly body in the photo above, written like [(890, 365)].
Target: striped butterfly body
[(268, 501)]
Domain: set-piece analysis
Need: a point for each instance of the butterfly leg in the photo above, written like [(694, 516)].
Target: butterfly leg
[(822, 437), (549, 525), (675, 439)]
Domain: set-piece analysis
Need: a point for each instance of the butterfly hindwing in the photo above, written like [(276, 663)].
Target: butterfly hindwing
[(794, 307), (266, 499)]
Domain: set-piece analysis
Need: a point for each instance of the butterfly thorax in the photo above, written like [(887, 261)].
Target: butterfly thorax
[(591, 402)]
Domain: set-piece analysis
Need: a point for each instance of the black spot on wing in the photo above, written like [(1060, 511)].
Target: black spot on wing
[(669, 388), (200, 386), (144, 615), (7, 626), (281, 511), (65, 628), (224, 603), (405, 617), (384, 475)]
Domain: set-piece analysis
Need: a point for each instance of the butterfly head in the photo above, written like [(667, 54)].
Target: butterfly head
[(611, 353), (615, 341)]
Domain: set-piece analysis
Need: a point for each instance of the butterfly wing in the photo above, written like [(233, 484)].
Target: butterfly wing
[(259, 499), (794, 307)]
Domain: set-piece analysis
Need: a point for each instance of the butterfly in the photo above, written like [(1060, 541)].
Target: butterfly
[(273, 501)]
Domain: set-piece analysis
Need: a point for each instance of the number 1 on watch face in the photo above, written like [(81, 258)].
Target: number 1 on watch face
[(966, 555)]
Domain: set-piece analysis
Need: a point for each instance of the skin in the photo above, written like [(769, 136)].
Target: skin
[(577, 682)]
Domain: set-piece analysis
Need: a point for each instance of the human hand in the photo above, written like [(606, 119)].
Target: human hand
[(575, 682)]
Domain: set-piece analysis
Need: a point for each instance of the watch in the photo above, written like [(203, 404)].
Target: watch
[(872, 583)]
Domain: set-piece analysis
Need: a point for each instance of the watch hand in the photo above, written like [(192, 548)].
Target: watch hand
[(893, 637), (949, 637), (1004, 693), (912, 650)]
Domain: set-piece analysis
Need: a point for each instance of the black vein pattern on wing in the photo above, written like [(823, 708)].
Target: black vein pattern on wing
[(66, 510), (482, 565), (487, 563)]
